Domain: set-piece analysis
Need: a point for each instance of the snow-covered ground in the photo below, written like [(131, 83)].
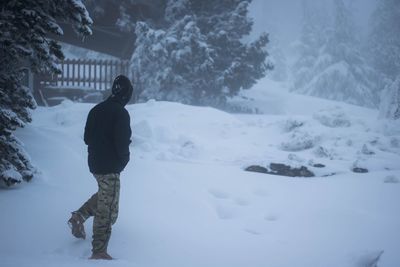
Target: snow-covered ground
[(187, 201)]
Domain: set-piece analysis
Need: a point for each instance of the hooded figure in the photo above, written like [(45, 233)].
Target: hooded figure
[(122, 90), (108, 132), (107, 135)]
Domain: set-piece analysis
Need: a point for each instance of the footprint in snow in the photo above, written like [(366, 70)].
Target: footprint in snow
[(260, 193), (225, 213), (252, 232), (218, 194), (271, 217), (241, 202)]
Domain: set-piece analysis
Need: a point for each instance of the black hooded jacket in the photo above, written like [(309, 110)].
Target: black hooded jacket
[(107, 134)]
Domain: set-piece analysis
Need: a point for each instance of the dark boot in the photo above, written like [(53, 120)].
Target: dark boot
[(100, 256), (76, 224)]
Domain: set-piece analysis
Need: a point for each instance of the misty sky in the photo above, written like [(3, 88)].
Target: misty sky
[(283, 17)]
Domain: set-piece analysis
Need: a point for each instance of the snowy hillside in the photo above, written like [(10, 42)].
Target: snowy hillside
[(187, 201)]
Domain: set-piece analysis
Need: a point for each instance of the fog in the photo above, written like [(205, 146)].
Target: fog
[(209, 145), (283, 18)]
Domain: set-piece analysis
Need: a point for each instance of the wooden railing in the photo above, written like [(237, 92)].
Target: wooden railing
[(85, 74)]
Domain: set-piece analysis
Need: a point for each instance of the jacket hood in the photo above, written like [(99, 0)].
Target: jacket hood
[(122, 90)]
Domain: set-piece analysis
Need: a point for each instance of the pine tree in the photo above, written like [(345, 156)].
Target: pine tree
[(384, 39), (199, 55), (224, 23), (314, 34), (390, 101), (278, 60), (384, 54), (168, 61), (24, 42), (338, 71)]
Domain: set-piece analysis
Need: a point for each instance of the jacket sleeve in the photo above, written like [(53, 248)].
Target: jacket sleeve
[(88, 128), (122, 137)]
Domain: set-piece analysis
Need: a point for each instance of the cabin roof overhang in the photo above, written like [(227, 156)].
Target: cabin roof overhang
[(109, 40)]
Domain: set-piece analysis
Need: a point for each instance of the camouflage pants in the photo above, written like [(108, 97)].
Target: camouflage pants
[(103, 205)]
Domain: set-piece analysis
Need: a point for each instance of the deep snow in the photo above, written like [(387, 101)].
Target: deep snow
[(187, 201)]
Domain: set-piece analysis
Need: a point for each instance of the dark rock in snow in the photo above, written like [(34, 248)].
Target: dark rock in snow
[(359, 170), (318, 165), (282, 169), (329, 174), (256, 168), (286, 170)]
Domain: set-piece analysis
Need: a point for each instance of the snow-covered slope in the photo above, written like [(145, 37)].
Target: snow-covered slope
[(187, 201)]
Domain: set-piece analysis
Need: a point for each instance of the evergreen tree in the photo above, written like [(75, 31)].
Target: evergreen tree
[(338, 71), (24, 43), (278, 60), (201, 53), (171, 64), (390, 101), (225, 23), (314, 34), (384, 39), (384, 54)]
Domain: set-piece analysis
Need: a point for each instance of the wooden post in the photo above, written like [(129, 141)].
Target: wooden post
[(101, 74), (67, 65), (105, 74), (79, 72), (62, 73), (73, 72), (90, 71), (95, 75), (111, 72), (83, 75)]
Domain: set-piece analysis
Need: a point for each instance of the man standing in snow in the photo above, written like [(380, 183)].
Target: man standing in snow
[(107, 135)]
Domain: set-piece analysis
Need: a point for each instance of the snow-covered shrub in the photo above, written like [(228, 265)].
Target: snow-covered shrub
[(366, 150), (291, 124), (333, 117), (299, 140), (322, 152)]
